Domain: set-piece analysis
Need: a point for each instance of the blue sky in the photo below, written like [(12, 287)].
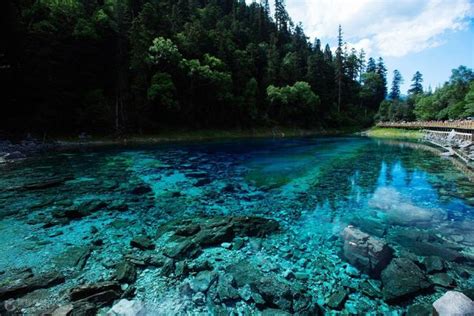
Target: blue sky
[(432, 36)]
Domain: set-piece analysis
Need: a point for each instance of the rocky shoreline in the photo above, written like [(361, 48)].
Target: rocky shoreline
[(11, 152)]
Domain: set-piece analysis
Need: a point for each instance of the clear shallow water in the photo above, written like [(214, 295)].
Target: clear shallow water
[(313, 187)]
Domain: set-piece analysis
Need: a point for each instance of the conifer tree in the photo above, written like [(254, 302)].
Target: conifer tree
[(397, 80), (416, 86)]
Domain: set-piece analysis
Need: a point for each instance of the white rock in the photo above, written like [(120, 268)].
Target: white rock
[(127, 308), (453, 303)]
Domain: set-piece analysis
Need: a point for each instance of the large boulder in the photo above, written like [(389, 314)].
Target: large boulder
[(369, 254), (453, 303), (402, 279)]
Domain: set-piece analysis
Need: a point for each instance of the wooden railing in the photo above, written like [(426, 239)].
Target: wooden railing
[(459, 124)]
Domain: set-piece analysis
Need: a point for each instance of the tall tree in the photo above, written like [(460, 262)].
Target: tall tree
[(416, 86), (282, 18), (396, 82), (339, 67), (266, 7), (382, 72)]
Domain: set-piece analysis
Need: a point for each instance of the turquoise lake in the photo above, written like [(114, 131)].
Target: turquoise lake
[(77, 213)]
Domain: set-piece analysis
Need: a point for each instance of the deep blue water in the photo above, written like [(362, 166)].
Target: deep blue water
[(314, 187)]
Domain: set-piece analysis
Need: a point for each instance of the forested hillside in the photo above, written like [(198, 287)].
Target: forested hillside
[(147, 65), (453, 100)]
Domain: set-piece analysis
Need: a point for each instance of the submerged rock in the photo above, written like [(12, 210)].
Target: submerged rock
[(337, 299), (453, 303), (128, 308), (142, 242), (442, 279), (274, 291), (203, 281), (419, 310), (126, 272), (19, 283), (191, 235), (141, 189), (403, 279), (75, 256), (93, 296), (368, 253), (433, 264)]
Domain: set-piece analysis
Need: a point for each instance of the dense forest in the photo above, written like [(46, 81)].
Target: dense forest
[(103, 66), (453, 100), (145, 65)]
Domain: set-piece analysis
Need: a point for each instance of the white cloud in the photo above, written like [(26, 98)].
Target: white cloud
[(386, 27)]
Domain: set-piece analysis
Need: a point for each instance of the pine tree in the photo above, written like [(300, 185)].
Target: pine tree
[(281, 16), (361, 64), (382, 72), (371, 66), (416, 86), (397, 80), (339, 68), (266, 7)]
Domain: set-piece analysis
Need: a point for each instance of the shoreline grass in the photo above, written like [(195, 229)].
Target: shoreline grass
[(394, 133)]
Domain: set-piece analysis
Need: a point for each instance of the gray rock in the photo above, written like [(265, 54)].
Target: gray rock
[(168, 267), (419, 310), (369, 254), (88, 298), (226, 288), (337, 299), (370, 289), (181, 249), (402, 279), (142, 242), (126, 272), (199, 298), (14, 156), (202, 281), (433, 264), (75, 256), (453, 303), (18, 283), (128, 308), (181, 269), (442, 279)]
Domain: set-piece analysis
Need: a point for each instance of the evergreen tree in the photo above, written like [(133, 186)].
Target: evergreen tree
[(416, 86), (339, 67), (371, 66), (266, 7), (282, 19), (396, 82), (382, 72)]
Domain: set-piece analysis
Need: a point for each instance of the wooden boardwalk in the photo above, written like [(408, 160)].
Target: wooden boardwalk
[(462, 126), (456, 137)]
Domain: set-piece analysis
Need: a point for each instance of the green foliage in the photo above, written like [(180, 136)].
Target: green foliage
[(180, 63), (295, 104), (469, 99), (162, 91), (164, 52), (447, 102)]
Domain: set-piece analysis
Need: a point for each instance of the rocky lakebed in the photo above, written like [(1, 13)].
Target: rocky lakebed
[(303, 226)]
